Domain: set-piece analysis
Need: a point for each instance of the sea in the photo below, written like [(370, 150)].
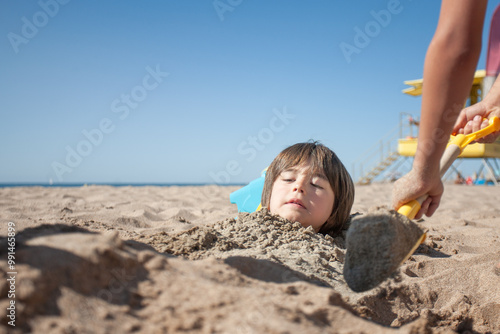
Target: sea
[(49, 185)]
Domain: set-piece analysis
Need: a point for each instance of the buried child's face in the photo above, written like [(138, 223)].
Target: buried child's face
[(299, 195)]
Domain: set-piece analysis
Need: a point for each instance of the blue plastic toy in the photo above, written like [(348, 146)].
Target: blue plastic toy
[(248, 198)]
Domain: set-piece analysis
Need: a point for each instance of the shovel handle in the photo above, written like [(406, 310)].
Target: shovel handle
[(411, 208), (453, 150)]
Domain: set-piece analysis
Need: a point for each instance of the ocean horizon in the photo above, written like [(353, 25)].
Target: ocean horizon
[(113, 184)]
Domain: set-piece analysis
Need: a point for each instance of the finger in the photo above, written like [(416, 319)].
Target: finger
[(476, 123), (477, 109), (491, 138), (432, 208), (485, 123), (468, 128), (467, 115), (460, 122), (423, 208), (494, 136), (485, 139)]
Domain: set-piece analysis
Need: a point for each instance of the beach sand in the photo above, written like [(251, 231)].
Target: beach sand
[(102, 259)]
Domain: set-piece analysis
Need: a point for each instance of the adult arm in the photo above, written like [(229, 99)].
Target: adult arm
[(449, 69)]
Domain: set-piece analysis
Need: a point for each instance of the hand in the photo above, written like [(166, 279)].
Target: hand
[(472, 119), (415, 184)]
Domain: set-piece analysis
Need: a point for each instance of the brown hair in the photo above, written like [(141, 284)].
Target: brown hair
[(322, 160)]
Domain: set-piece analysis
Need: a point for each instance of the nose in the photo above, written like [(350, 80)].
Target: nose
[(299, 186)]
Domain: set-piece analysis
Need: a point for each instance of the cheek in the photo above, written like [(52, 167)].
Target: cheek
[(271, 206), (328, 202), (273, 199)]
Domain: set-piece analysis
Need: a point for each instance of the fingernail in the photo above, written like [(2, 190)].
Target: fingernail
[(477, 118)]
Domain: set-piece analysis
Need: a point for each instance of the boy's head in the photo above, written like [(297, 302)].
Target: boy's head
[(308, 183)]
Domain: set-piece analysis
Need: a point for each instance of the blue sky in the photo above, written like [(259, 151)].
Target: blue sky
[(200, 91)]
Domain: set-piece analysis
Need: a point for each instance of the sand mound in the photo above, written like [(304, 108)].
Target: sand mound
[(260, 236), (81, 272), (71, 280)]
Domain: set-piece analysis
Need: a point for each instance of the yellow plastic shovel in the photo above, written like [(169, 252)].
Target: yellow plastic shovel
[(455, 147), (453, 150), (368, 264)]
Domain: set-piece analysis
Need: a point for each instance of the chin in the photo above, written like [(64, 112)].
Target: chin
[(306, 225), (293, 218)]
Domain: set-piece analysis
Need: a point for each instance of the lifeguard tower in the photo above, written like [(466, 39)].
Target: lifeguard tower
[(391, 158), (489, 154)]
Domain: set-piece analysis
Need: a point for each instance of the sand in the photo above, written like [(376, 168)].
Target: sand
[(100, 259), (377, 242)]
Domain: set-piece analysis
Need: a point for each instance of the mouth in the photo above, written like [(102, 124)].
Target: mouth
[(296, 202)]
